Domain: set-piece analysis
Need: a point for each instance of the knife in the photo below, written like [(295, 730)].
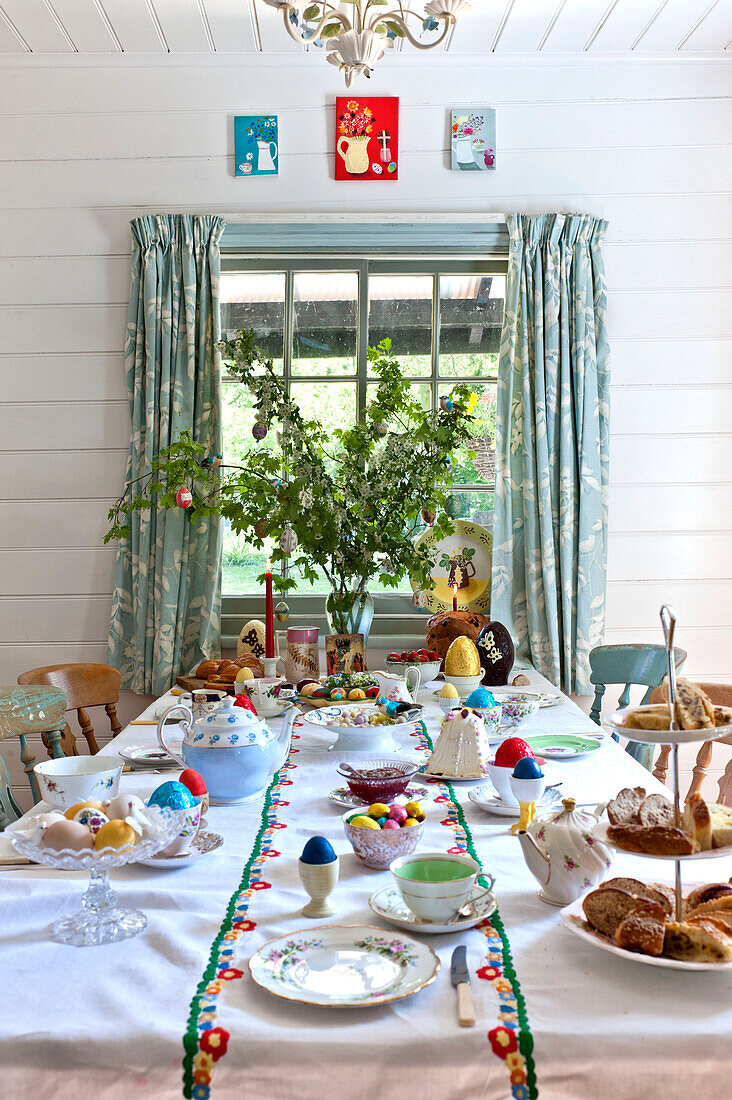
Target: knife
[(461, 980)]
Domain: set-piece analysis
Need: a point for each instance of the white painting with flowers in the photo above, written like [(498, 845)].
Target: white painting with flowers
[(473, 139)]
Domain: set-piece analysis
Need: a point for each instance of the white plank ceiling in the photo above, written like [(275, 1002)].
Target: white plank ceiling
[(599, 27)]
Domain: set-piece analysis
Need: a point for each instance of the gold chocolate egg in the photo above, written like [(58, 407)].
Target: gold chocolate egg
[(115, 834), (462, 658)]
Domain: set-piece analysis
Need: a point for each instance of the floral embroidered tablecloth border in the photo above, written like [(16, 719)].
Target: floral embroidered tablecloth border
[(205, 1043)]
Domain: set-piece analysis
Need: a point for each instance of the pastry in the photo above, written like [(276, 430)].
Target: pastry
[(656, 810), (721, 917), (711, 892), (250, 660), (606, 907), (657, 716), (225, 674), (662, 895), (697, 941), (655, 840), (643, 929), (623, 809), (207, 669), (721, 817), (697, 822), (723, 716), (720, 905), (694, 709)]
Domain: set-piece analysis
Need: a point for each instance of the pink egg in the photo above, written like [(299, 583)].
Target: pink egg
[(390, 823), (398, 813)]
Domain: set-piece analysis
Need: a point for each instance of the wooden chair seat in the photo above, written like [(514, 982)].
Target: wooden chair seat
[(25, 711), (84, 685), (721, 696)]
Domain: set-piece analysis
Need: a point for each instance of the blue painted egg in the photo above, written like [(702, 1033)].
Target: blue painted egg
[(481, 697), (318, 850), (172, 796), (527, 768)]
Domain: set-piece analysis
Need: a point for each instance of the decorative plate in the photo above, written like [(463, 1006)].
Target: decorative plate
[(600, 833), (463, 558), (203, 845), (562, 746), (616, 724), (341, 796), (149, 756), (388, 903), (488, 799), (573, 918), (343, 966)]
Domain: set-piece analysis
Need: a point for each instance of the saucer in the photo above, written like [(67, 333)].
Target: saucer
[(493, 804), (149, 756), (341, 796), (203, 845), (388, 903)]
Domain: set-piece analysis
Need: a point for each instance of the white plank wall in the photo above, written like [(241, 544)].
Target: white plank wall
[(88, 142)]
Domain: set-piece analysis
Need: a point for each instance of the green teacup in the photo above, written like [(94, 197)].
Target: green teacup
[(435, 884)]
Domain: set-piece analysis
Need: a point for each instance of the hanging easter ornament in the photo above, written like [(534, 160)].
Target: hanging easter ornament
[(428, 516), (260, 528), (288, 541), (452, 507), (259, 431), (380, 429), (281, 612), (184, 497)]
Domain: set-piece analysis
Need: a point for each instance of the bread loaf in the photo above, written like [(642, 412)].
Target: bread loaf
[(207, 669), (697, 941), (694, 709), (643, 929)]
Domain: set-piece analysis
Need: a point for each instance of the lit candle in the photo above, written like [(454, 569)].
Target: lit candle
[(269, 636), (454, 597)]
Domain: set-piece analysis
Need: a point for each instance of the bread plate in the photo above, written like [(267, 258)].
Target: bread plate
[(616, 723), (573, 919), (600, 833)]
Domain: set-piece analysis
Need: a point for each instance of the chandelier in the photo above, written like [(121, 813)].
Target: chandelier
[(355, 41)]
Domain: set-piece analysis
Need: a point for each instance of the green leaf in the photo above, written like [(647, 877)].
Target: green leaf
[(395, 28), (331, 30), (312, 12)]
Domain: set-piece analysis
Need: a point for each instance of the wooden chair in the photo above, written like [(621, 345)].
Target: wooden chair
[(630, 664), (84, 685), (24, 711), (721, 696)]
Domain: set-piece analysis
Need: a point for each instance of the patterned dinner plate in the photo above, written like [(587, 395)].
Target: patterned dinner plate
[(463, 559), (563, 746), (344, 966), (203, 845), (341, 796)]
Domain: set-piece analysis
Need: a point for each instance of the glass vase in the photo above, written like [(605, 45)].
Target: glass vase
[(349, 612)]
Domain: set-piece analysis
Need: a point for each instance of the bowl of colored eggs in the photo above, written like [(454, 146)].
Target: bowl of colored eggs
[(384, 832), (379, 780)]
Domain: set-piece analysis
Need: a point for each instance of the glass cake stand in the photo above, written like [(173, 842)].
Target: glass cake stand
[(100, 919)]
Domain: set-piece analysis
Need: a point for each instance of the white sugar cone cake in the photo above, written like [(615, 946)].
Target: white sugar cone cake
[(460, 746)]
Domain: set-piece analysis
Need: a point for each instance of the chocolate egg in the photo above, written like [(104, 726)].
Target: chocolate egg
[(172, 796), (462, 658), (67, 834), (496, 653)]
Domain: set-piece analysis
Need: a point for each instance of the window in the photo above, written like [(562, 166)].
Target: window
[(316, 315)]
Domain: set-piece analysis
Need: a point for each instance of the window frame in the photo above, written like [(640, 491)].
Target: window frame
[(397, 623)]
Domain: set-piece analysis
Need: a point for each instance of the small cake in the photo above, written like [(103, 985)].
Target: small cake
[(459, 749)]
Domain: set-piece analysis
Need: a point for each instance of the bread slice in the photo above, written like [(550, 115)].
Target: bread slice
[(722, 904), (656, 810), (654, 716), (623, 809), (723, 716), (697, 941), (721, 818), (662, 895), (656, 840), (697, 822), (607, 906), (710, 892), (721, 917), (643, 929), (694, 709)]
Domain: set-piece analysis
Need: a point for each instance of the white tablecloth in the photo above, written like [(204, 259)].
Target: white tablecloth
[(108, 1022)]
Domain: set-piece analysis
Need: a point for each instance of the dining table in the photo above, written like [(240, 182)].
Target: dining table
[(175, 1012)]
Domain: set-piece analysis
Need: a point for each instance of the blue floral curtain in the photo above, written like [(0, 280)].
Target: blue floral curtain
[(550, 537), (166, 607)]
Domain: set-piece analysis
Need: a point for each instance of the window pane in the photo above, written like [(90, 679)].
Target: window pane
[(255, 301), (482, 468), (471, 316), (238, 421), (332, 403), (242, 564), (326, 318), (422, 391), (476, 505), (400, 307)]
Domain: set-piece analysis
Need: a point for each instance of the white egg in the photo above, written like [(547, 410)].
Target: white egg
[(67, 834), (123, 805)]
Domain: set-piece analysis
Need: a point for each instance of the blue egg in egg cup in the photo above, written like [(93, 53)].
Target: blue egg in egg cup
[(318, 866)]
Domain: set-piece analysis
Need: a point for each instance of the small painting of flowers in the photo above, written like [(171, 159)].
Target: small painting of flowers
[(473, 139), (367, 138), (256, 145)]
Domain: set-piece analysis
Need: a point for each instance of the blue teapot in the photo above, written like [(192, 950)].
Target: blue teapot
[(234, 751)]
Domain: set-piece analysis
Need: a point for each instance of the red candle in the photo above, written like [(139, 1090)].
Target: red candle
[(454, 597), (269, 636)]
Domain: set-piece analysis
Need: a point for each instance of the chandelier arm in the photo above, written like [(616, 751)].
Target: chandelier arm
[(395, 17), (328, 16)]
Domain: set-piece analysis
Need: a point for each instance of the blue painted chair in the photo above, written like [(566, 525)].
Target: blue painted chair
[(25, 711), (642, 664)]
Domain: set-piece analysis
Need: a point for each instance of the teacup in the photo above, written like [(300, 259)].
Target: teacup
[(182, 842), (434, 885), (399, 689), (202, 701), (265, 693)]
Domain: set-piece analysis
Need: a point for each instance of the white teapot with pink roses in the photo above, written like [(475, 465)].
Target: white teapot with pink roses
[(563, 855)]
